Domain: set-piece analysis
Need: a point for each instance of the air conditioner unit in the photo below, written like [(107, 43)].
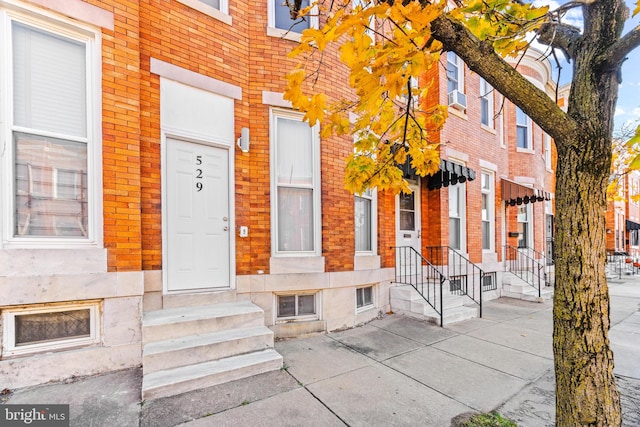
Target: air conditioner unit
[(457, 100)]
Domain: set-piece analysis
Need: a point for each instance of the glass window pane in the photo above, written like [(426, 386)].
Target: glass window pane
[(294, 153), (454, 233), (407, 201), (42, 327), (486, 235), (286, 306), (295, 219), (359, 298), (306, 304), (407, 221), (485, 207), (50, 187), (363, 224), (452, 72), (213, 3), (484, 111), (50, 86), (522, 137), (367, 295), (454, 201), (283, 17)]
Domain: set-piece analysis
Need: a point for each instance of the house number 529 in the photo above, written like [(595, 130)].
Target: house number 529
[(199, 184)]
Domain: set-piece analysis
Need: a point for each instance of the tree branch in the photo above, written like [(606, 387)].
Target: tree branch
[(481, 58), (619, 51), (560, 36)]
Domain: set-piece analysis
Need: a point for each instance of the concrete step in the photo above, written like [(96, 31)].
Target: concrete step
[(170, 382), (198, 299), (404, 299), (193, 349), (178, 322), (409, 294)]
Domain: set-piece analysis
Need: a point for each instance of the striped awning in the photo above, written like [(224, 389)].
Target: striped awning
[(450, 173), (518, 194)]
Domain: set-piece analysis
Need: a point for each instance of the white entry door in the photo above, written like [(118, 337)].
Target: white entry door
[(198, 224), (408, 222)]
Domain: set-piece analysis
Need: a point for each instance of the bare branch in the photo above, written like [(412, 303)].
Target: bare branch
[(560, 36), (481, 58), (619, 51)]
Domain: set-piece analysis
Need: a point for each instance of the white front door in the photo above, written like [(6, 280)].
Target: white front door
[(408, 222), (198, 223)]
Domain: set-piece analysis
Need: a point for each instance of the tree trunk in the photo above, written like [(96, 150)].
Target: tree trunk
[(586, 393)]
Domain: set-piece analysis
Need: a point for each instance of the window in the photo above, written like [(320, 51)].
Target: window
[(298, 305), (523, 130), (365, 222), (547, 151), (457, 212), (372, 20), (487, 211), (47, 328), (633, 237), (53, 141), (364, 297), (524, 225), (295, 169), (486, 103), (455, 73), (280, 19), (221, 5), (407, 211)]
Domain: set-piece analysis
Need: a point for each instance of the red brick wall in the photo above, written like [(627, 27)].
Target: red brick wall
[(121, 137)]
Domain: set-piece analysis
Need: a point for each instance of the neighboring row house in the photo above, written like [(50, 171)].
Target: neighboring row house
[(163, 206)]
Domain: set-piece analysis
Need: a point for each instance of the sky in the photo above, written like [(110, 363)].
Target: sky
[(628, 107)]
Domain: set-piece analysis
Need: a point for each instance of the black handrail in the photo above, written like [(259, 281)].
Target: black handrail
[(547, 264), (464, 276), (413, 269), (525, 267)]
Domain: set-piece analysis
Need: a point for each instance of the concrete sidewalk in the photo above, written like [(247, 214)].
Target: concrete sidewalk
[(393, 371)]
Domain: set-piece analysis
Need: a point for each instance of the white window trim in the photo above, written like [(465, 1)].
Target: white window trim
[(547, 152), (93, 42), (460, 65), (368, 306), (303, 318), (490, 209), (317, 208), (374, 224), (272, 31), (221, 15), (529, 126), (487, 92), (8, 332), (462, 200)]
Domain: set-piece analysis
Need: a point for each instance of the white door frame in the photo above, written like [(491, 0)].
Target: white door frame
[(417, 237), (197, 139)]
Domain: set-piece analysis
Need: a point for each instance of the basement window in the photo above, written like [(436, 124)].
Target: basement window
[(364, 298), (28, 330), (297, 307)]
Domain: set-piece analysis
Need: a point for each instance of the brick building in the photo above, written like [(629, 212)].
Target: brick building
[(163, 205)]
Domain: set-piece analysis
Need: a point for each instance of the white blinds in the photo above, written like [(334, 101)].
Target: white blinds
[(49, 82), (294, 153)]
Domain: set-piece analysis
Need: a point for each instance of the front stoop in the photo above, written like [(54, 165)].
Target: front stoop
[(187, 348), (514, 287), (406, 300)]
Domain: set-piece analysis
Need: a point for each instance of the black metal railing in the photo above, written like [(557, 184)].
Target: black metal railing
[(413, 269), (547, 263), (620, 262), (465, 278), (521, 263)]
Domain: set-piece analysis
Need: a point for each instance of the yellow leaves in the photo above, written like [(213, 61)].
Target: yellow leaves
[(386, 48), (505, 23), (637, 9)]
